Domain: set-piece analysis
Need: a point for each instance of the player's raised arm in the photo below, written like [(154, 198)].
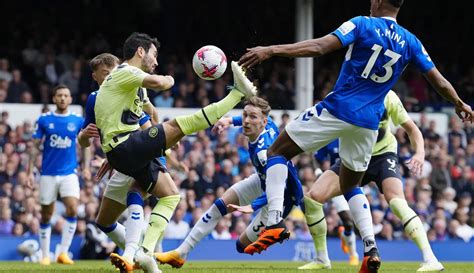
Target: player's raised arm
[(447, 91), (308, 48), (158, 82)]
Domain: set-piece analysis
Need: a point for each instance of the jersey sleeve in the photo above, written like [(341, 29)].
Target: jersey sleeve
[(237, 120), (395, 109), (348, 31), (131, 77), (38, 132), (90, 115), (421, 58)]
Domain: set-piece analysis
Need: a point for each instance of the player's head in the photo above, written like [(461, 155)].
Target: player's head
[(102, 65), (255, 117), (143, 47), (62, 97), (381, 7)]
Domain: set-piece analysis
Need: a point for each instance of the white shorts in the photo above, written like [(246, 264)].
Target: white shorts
[(51, 185), (312, 132), (118, 187), (340, 203), (248, 190)]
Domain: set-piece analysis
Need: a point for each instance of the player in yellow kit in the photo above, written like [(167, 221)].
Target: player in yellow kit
[(118, 107)]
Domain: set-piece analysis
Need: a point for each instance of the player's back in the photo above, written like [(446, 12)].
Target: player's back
[(379, 50)]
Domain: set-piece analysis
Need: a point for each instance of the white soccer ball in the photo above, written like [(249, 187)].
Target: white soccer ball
[(209, 62)]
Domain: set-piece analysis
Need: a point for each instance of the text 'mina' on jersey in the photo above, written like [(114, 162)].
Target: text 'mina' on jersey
[(59, 147), (378, 51), (119, 104)]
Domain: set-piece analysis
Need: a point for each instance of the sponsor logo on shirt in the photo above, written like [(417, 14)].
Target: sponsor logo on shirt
[(346, 27), (59, 142)]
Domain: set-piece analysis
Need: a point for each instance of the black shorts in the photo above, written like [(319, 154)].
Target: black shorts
[(138, 156), (380, 168)]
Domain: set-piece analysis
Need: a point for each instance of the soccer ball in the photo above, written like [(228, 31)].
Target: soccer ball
[(209, 62)]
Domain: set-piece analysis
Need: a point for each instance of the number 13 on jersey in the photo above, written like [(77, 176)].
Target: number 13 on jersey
[(387, 66)]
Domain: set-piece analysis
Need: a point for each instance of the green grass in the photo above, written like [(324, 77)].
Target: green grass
[(223, 267)]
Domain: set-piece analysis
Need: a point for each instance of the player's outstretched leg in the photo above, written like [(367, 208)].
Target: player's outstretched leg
[(177, 257), (316, 222), (208, 115)]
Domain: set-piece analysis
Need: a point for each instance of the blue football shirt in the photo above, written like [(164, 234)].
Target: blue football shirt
[(59, 148), (379, 49)]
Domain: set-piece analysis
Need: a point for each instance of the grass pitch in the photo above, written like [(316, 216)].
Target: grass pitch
[(224, 267)]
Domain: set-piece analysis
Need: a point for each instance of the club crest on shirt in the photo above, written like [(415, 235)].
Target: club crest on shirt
[(71, 127), (153, 132)]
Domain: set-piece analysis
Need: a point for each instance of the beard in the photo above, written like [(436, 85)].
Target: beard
[(147, 65)]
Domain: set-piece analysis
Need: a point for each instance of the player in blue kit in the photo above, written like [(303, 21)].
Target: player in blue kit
[(378, 51), (59, 129), (261, 131)]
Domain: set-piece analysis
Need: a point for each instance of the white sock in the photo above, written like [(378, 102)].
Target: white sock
[(360, 210), (201, 229), (351, 242), (45, 238), (275, 183), (133, 228), (67, 234), (117, 235)]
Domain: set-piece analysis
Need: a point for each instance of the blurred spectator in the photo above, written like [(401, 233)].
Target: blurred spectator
[(4, 73), (177, 228), (16, 87), (221, 232)]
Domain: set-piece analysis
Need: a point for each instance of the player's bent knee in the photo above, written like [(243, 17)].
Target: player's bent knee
[(316, 196)]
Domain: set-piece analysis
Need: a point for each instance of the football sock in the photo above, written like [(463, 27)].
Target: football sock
[(69, 229), (314, 214), (413, 227), (348, 235), (45, 238), (134, 224), (208, 115), (203, 227), (277, 172), (159, 219), (116, 233), (360, 210)]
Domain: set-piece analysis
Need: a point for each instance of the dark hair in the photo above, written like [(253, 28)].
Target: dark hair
[(259, 103), (59, 86), (106, 59), (136, 40), (396, 3)]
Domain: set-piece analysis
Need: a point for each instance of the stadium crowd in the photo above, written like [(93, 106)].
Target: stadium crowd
[(442, 196)]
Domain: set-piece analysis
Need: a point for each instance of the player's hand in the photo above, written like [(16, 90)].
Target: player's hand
[(244, 209), (86, 174), (183, 167), (221, 125), (30, 180), (464, 112), (91, 131), (104, 168), (415, 164), (255, 55)]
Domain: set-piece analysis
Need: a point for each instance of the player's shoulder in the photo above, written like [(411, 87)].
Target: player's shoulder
[(45, 116), (392, 98)]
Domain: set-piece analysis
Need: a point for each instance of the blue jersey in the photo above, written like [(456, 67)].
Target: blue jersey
[(379, 50), (329, 152), (258, 154), (59, 148)]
